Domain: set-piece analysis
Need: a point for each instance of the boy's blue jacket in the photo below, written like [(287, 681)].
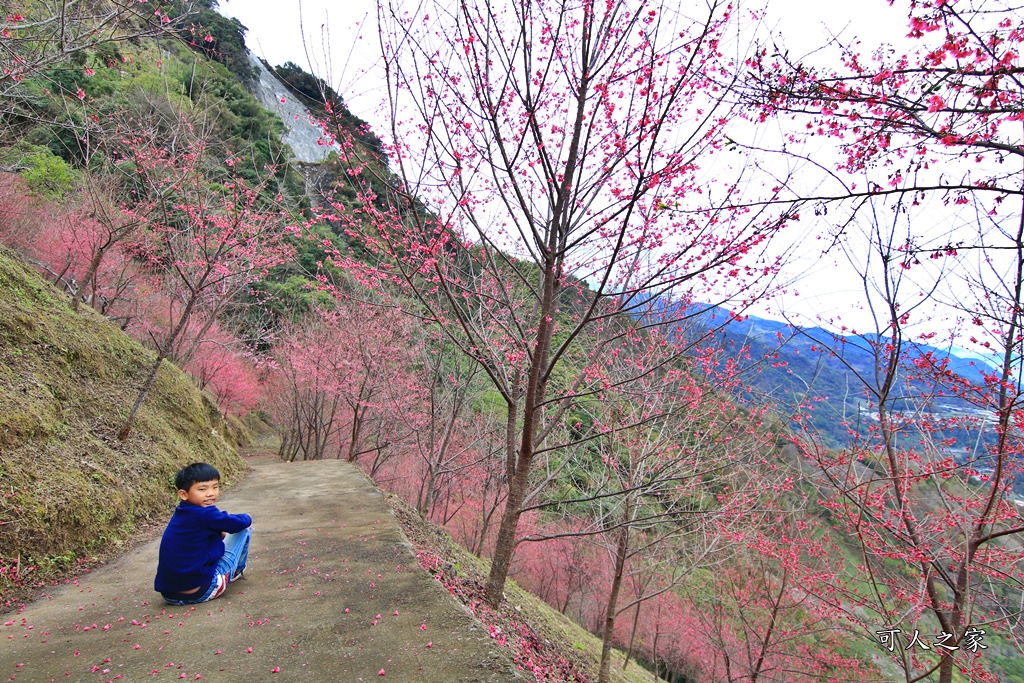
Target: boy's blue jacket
[(191, 546)]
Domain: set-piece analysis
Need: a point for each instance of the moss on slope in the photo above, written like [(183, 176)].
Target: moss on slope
[(68, 488)]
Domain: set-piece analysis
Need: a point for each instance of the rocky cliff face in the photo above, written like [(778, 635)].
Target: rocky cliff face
[(302, 135)]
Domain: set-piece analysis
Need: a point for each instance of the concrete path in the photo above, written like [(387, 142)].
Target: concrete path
[(333, 592)]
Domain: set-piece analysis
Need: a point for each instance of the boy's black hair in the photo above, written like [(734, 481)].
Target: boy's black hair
[(197, 471)]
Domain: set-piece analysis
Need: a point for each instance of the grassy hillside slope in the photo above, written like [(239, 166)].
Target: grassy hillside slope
[(70, 489)]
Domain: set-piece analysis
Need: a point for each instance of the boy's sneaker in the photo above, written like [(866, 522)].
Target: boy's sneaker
[(239, 574)]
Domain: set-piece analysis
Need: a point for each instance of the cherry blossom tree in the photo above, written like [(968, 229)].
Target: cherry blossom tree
[(651, 488), (658, 526), (223, 364), (62, 239), (52, 237), (208, 240), (113, 149), (926, 487), (446, 441), (37, 35), (925, 201), (304, 400), (344, 385), (547, 181)]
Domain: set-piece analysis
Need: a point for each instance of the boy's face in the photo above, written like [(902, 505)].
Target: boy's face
[(202, 493)]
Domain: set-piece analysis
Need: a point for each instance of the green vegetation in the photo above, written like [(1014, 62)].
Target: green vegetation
[(71, 490), (217, 37), (45, 174)]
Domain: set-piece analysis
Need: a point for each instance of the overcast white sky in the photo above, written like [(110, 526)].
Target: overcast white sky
[(338, 41), (335, 40)]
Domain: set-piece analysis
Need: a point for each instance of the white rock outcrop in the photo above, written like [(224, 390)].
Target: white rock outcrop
[(301, 134)]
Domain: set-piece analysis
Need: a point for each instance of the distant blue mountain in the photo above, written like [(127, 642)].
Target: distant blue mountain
[(788, 366)]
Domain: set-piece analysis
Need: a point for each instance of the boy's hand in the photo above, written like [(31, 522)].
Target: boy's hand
[(223, 534)]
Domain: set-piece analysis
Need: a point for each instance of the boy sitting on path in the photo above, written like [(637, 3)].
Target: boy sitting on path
[(202, 549)]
